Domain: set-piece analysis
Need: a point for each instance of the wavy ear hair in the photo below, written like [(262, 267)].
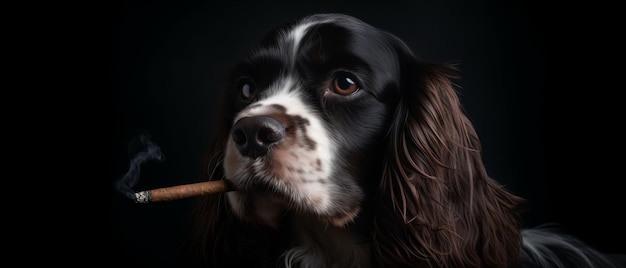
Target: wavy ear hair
[(440, 208)]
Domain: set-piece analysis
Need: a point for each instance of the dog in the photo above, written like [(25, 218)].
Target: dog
[(345, 150)]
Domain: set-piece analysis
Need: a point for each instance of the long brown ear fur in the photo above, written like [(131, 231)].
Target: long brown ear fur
[(439, 206)]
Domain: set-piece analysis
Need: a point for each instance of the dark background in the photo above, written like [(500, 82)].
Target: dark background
[(535, 81)]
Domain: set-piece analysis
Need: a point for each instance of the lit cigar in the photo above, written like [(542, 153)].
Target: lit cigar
[(183, 191)]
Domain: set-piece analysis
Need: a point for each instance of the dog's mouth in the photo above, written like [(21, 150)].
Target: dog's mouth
[(268, 208), (270, 205), (262, 202)]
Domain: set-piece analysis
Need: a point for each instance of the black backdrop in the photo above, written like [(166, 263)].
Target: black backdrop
[(528, 83)]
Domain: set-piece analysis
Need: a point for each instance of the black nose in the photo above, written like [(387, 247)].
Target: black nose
[(255, 135)]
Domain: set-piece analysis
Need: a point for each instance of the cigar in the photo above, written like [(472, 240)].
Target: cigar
[(183, 191)]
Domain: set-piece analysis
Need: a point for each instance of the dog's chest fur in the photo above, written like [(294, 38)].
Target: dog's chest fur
[(322, 245)]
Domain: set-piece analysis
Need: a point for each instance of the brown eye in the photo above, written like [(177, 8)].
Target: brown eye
[(247, 89), (344, 84)]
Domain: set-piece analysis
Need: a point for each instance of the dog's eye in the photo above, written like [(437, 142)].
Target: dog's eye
[(248, 89), (344, 84)]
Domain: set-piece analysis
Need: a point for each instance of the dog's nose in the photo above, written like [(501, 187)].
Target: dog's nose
[(256, 134)]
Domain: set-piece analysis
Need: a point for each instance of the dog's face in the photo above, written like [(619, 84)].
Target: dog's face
[(309, 108)]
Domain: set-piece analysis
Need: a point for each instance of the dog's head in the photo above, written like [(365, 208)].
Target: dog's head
[(310, 107), (334, 119)]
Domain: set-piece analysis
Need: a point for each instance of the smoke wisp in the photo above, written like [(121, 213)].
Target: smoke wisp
[(147, 150)]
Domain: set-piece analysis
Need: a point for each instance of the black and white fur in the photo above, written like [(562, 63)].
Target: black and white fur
[(347, 151)]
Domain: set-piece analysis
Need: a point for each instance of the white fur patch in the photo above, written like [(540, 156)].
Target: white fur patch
[(297, 171)]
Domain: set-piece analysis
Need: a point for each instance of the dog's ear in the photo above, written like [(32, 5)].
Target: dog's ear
[(439, 206)]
